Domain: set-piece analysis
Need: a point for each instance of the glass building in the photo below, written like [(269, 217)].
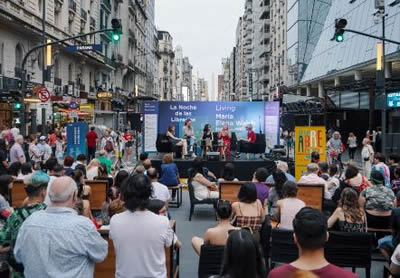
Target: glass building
[(305, 22)]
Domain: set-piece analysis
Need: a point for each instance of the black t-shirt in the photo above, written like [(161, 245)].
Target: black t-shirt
[(3, 157)]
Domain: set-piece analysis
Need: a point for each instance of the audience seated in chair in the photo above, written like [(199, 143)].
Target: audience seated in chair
[(242, 257), (275, 193), (289, 206), (169, 173), (312, 178), (203, 188), (140, 236), (76, 237), (259, 178), (219, 234), (35, 187), (160, 191), (248, 212), (378, 201), (228, 173), (388, 243), (310, 234), (283, 166), (348, 216), (93, 169), (159, 207)]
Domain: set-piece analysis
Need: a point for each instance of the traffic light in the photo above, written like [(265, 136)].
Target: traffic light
[(17, 105), (117, 29), (340, 24)]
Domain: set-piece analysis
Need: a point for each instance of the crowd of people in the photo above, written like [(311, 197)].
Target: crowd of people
[(55, 233)]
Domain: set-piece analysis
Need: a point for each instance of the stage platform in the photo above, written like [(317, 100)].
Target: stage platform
[(244, 168)]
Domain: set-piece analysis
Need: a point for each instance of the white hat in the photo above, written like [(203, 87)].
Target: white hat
[(42, 138)]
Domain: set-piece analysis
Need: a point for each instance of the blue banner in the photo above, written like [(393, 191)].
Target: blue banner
[(236, 114), (76, 138), (86, 47)]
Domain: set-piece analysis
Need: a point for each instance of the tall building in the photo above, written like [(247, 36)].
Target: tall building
[(203, 89), (103, 81), (183, 75), (167, 67), (221, 84)]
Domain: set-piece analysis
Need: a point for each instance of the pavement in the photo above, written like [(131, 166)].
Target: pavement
[(204, 218)]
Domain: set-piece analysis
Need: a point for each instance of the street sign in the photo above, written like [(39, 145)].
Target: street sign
[(73, 105), (85, 47), (44, 95), (393, 100)]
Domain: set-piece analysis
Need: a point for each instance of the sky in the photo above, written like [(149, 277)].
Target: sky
[(205, 29)]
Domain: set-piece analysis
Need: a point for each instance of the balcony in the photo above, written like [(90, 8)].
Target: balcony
[(106, 4), (18, 72), (72, 6), (109, 62), (83, 15), (92, 22), (57, 81)]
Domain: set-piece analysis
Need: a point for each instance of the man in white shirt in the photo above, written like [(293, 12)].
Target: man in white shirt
[(17, 153), (160, 191), (15, 132), (313, 178), (44, 148), (140, 236)]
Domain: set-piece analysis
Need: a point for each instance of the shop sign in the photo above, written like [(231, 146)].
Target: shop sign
[(86, 107), (104, 95)]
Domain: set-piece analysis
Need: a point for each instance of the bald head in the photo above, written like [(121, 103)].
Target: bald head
[(312, 168), (62, 192)]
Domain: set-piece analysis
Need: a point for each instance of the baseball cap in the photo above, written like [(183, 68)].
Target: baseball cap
[(42, 138)]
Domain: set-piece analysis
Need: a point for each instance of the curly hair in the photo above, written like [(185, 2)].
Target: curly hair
[(350, 205)]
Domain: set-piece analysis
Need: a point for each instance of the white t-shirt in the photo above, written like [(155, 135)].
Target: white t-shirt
[(160, 192), (394, 259), (15, 132), (139, 240)]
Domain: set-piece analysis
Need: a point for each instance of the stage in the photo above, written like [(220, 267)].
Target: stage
[(244, 168)]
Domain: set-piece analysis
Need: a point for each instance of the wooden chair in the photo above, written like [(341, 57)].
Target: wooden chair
[(107, 268), (17, 193), (228, 190), (311, 194), (99, 193)]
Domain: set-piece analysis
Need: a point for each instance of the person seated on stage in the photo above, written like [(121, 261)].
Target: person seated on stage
[(175, 140), (228, 173), (203, 188), (276, 191), (259, 178), (289, 206), (169, 173), (283, 166), (188, 134), (225, 135), (310, 235), (378, 201), (206, 140), (251, 139), (249, 211), (219, 234)]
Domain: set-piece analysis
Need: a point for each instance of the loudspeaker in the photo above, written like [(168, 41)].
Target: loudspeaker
[(213, 156)]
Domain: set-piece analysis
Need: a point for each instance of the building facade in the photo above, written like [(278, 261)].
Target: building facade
[(167, 67), (104, 81)]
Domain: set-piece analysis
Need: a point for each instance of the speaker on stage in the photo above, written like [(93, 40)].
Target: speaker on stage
[(213, 156)]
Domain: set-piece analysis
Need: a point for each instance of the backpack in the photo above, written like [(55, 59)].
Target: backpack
[(109, 146)]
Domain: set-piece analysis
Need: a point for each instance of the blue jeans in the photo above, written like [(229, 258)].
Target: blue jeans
[(386, 243)]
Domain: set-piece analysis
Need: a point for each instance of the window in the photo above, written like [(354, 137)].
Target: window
[(70, 72), (18, 56)]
